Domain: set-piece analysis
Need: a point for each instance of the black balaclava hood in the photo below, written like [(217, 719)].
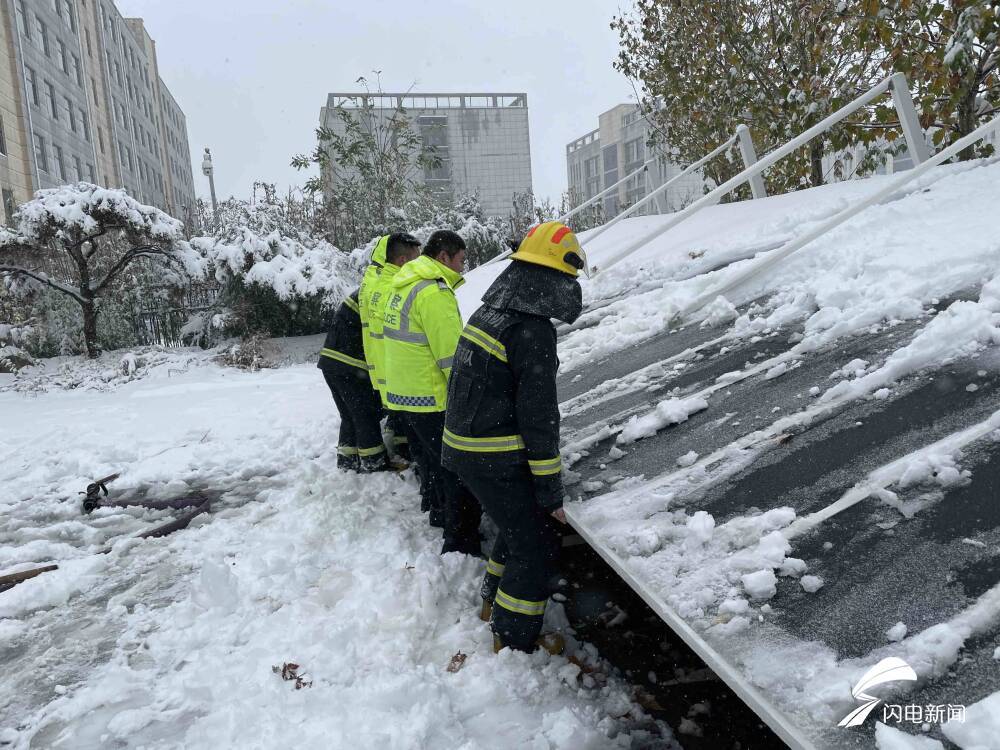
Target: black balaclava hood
[(536, 290)]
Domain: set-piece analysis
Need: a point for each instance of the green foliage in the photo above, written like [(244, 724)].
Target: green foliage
[(778, 67), (371, 168), (950, 53)]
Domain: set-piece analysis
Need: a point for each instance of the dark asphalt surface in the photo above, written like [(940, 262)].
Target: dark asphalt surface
[(878, 567)]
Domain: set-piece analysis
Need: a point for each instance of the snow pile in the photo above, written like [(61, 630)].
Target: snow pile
[(107, 372), (890, 738), (668, 412), (981, 727)]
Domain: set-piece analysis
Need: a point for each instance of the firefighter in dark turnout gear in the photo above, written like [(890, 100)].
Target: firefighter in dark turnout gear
[(342, 360), (502, 427)]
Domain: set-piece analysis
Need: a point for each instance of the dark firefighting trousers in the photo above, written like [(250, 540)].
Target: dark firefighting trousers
[(460, 510), (522, 567), (360, 445), (399, 435)]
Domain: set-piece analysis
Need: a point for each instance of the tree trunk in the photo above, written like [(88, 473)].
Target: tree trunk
[(816, 163), (90, 327), (966, 121)]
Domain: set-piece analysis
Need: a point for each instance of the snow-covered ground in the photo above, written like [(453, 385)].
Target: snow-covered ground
[(170, 643)]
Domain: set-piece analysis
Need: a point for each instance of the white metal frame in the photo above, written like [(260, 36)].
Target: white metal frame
[(662, 189), (775, 256), (747, 151), (909, 123), (775, 719)]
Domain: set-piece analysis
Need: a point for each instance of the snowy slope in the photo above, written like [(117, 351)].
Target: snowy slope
[(168, 643), (847, 398)]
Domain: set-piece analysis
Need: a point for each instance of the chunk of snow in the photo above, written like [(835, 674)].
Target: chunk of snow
[(615, 453), (687, 459), (793, 567), (811, 584), (972, 387), (669, 412), (882, 394), (734, 607), (699, 527), (897, 632), (718, 311), (760, 585), (981, 727)]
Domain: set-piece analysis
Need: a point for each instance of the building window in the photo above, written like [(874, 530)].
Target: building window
[(41, 154), (43, 36), (3, 139), (79, 168), (63, 57), (52, 101), (8, 206), (84, 124), (91, 173), (32, 84), (100, 139), (22, 20), (86, 36), (60, 163), (70, 113), (77, 71), (70, 15), (635, 153)]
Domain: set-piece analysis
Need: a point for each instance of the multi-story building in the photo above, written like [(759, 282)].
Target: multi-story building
[(602, 157), (81, 99), (480, 139)]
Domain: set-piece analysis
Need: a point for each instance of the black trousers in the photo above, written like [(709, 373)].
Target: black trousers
[(400, 430), (522, 567), (460, 508), (360, 445)]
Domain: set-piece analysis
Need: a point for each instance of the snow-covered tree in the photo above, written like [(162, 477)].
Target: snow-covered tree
[(83, 241), (779, 66), (950, 51)]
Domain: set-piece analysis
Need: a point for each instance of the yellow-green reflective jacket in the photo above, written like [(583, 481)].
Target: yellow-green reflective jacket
[(368, 282), (374, 341), (421, 329)]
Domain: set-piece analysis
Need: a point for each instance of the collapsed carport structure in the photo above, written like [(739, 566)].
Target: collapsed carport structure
[(802, 498)]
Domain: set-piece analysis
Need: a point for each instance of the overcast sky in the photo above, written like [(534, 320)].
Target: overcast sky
[(251, 75)]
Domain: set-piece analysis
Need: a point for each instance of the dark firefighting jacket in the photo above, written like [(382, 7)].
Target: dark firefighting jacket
[(503, 409), (343, 349)]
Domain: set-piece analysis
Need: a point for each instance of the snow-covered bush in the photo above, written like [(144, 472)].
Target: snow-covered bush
[(13, 355), (485, 237), (270, 284)]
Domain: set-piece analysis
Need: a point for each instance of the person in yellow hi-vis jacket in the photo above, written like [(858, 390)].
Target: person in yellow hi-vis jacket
[(421, 328), (501, 434), (393, 252)]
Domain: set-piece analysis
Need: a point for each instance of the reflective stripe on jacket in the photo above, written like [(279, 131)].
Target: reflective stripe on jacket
[(374, 341), (343, 345), (502, 403), (421, 328), (368, 283)]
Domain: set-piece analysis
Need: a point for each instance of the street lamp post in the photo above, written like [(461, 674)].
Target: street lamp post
[(209, 171)]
